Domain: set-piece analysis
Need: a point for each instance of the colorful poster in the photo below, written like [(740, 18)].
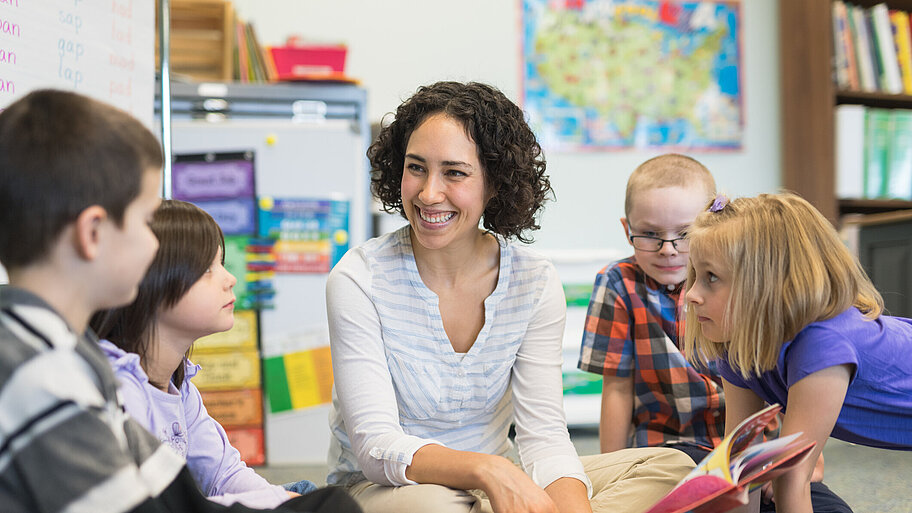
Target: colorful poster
[(222, 184), (614, 74), (298, 380), (251, 261), (312, 234)]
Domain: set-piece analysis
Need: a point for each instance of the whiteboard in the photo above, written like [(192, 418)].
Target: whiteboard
[(101, 48)]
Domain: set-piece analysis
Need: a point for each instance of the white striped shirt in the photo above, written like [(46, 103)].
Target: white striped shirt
[(399, 385)]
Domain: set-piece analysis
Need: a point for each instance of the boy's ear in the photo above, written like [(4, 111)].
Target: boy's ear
[(626, 228), (88, 231)]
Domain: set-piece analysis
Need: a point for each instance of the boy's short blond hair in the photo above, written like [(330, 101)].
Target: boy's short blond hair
[(668, 170)]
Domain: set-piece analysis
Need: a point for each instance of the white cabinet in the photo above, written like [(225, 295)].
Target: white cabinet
[(308, 141)]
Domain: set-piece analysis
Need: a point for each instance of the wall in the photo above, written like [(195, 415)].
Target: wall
[(396, 45)]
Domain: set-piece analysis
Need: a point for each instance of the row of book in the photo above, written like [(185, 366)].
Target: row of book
[(872, 48), (873, 153), (252, 62)]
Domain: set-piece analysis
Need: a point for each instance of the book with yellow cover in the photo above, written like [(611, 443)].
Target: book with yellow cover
[(739, 464), (900, 22)]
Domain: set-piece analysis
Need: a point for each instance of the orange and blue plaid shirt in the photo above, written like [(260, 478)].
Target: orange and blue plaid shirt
[(632, 330)]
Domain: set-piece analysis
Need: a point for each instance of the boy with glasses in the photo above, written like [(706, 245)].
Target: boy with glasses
[(631, 332)]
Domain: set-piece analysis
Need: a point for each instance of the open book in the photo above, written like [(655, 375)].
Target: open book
[(741, 462)]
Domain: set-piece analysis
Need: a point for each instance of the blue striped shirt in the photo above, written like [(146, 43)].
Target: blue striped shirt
[(399, 385)]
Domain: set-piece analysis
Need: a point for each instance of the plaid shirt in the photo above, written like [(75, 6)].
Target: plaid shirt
[(631, 329)]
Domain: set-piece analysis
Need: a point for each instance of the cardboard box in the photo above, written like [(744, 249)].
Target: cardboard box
[(242, 336), (249, 442), (228, 370), (235, 408), (309, 62)]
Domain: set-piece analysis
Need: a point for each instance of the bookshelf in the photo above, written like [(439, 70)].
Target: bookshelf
[(809, 98)]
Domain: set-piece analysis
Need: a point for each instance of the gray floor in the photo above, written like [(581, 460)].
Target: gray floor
[(869, 480)]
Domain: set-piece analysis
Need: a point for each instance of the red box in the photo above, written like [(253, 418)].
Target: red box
[(309, 62), (249, 442)]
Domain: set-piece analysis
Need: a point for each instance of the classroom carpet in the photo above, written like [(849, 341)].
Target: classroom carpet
[(869, 480)]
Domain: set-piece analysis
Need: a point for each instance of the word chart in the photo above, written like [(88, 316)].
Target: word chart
[(103, 49)]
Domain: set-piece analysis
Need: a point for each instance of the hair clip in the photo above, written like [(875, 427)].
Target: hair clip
[(718, 203)]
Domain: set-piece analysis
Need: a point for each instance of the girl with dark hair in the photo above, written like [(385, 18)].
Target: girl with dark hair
[(185, 295), (443, 333)]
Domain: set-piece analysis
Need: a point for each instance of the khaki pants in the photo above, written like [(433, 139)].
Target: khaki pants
[(626, 481)]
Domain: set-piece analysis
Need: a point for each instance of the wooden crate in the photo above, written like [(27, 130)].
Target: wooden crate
[(202, 39)]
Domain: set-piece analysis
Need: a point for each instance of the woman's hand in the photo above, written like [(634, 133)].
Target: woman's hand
[(511, 490)]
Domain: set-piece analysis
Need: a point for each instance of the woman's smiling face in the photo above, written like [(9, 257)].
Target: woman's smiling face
[(443, 185)]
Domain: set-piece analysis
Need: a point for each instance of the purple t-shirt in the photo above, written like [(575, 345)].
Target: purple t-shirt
[(181, 422), (877, 410)]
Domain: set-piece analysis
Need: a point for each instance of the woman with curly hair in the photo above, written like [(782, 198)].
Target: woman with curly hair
[(443, 333)]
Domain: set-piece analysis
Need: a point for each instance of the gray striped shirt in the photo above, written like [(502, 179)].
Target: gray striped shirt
[(65, 443)]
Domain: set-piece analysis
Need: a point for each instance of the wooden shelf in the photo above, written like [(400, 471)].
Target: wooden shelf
[(875, 99), (905, 5), (809, 99), (872, 206)]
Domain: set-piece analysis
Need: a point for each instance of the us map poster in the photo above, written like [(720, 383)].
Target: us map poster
[(617, 74)]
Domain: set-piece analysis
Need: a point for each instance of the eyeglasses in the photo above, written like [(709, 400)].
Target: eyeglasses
[(653, 244)]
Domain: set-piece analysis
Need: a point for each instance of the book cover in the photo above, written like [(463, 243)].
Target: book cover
[(899, 174), (903, 40), (740, 463), (891, 80), (243, 61), (257, 70), (850, 162), (263, 56), (866, 72), (876, 62), (848, 41), (878, 125), (840, 57)]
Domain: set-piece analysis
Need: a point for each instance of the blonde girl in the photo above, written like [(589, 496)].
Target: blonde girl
[(791, 317)]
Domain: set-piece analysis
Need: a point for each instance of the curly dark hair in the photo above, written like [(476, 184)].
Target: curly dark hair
[(514, 167)]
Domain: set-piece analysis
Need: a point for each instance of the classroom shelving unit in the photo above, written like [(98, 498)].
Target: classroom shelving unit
[(809, 99)]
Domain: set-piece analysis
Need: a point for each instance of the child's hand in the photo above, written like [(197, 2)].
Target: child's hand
[(766, 493), (817, 475), (292, 495)]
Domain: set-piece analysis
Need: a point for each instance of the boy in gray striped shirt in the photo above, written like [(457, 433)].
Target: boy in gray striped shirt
[(79, 182)]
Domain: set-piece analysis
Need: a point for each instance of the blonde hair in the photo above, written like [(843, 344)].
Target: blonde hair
[(788, 269), (668, 170)]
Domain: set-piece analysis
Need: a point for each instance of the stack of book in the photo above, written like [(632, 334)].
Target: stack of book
[(873, 153), (251, 62), (872, 48)]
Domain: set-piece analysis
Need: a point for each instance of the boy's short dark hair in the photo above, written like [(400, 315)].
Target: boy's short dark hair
[(60, 153), (514, 168)]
